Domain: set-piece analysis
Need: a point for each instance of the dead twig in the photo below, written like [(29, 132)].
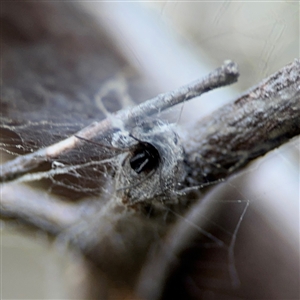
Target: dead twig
[(260, 120), (222, 76)]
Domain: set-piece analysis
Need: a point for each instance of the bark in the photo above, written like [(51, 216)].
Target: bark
[(260, 120)]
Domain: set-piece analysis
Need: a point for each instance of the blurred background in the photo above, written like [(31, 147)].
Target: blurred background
[(169, 44)]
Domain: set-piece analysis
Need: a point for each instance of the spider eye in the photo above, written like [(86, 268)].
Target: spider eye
[(145, 158)]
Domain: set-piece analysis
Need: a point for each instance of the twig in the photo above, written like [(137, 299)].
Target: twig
[(262, 119), (222, 76)]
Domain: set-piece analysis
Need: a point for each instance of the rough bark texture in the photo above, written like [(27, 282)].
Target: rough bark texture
[(262, 119)]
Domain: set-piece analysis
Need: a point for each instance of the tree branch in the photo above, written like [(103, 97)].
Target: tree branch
[(260, 120), (225, 75)]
